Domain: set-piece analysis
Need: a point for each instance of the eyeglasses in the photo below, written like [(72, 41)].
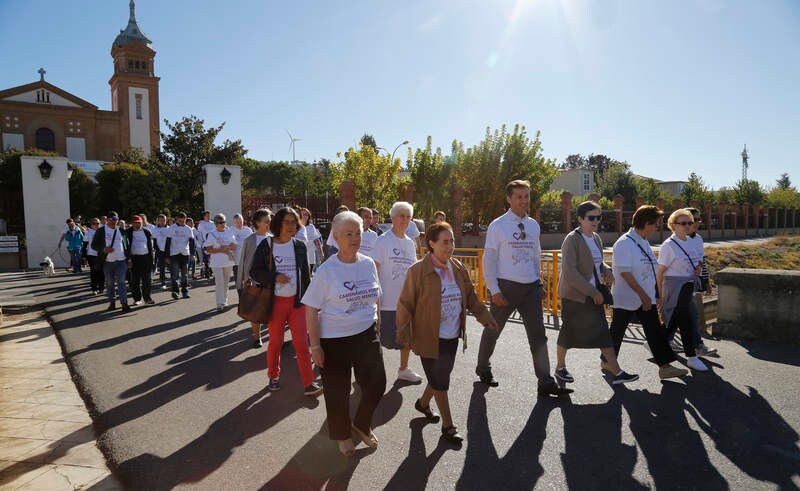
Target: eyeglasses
[(522, 233), (593, 218), (685, 224)]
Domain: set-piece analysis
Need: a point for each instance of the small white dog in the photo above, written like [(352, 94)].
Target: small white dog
[(47, 266)]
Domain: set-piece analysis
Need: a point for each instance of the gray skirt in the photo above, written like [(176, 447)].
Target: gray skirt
[(584, 325)]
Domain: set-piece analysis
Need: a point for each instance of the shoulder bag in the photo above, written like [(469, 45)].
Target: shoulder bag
[(255, 301)]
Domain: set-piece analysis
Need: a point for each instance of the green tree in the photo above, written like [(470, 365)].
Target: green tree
[(130, 189), (748, 191), (82, 194), (575, 161), (131, 155), (187, 147), (368, 139), (618, 179), (783, 198), (648, 190), (784, 182), (11, 167), (429, 173), (376, 178), (695, 189), (311, 179)]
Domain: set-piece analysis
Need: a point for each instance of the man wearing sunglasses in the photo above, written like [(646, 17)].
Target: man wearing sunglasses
[(113, 248), (512, 271)]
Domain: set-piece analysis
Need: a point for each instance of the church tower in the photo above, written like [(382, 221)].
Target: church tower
[(134, 88)]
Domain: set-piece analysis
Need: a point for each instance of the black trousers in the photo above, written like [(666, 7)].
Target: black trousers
[(141, 268), (161, 266), (178, 267), (97, 277), (654, 332), (682, 319), (362, 354)]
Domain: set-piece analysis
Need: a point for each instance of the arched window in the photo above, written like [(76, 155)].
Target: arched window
[(45, 139)]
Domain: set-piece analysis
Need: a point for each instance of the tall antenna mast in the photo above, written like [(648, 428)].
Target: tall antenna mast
[(745, 164)]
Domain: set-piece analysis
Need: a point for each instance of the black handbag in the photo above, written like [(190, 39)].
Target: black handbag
[(608, 298)]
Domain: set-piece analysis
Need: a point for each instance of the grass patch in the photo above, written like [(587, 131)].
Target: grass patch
[(778, 253)]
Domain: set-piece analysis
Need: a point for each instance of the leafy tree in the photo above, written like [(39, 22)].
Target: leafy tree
[(784, 182), (429, 173), (618, 179), (748, 191), (724, 196), (368, 139), (649, 190), (266, 177), (696, 189), (187, 147), (376, 178), (600, 164), (11, 167), (311, 179), (130, 189), (575, 161), (82, 191), (783, 198), (131, 155)]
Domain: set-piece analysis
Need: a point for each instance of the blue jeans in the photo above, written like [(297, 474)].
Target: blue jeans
[(178, 269), (115, 273), (75, 259)]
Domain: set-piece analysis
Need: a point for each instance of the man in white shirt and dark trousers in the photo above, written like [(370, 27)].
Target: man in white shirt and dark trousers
[(113, 246), (204, 227), (512, 271), (159, 234), (180, 243), (141, 261)]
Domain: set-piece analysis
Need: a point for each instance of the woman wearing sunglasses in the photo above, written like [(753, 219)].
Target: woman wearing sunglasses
[(579, 285), (678, 278), (221, 246)]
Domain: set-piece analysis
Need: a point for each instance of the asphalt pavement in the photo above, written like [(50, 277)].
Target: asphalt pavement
[(179, 399)]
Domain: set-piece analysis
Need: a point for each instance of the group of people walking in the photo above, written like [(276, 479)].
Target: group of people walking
[(373, 293)]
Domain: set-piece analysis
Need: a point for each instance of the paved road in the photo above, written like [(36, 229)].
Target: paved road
[(179, 400)]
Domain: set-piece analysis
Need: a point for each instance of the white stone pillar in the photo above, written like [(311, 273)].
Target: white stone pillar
[(220, 197), (46, 205)]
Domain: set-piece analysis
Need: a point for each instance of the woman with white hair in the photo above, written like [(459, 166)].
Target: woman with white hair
[(221, 246), (240, 232), (394, 253), (343, 325), (678, 277)]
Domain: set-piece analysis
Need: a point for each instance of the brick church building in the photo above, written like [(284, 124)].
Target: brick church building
[(45, 116)]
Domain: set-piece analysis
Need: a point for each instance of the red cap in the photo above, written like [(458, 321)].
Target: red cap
[(136, 218)]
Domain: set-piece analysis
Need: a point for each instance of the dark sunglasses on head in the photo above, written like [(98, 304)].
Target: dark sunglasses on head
[(685, 224), (593, 218)]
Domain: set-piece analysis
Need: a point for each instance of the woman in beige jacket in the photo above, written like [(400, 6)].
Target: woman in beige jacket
[(584, 319), (432, 316)]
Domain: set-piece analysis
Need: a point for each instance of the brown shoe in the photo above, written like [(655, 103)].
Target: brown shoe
[(111, 306), (126, 307), (668, 371)]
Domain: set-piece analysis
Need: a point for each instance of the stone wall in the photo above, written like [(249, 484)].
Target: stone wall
[(759, 304)]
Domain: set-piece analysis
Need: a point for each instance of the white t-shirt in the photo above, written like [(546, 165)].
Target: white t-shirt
[(179, 239), (215, 239), (119, 253), (240, 234), (412, 231), (331, 242), (628, 258), (597, 256), (150, 227), (159, 234), (346, 295), (312, 234), (87, 237), (677, 263), (450, 315), (138, 243), (698, 252), (285, 264), (368, 238), (395, 255), (259, 238), (508, 255)]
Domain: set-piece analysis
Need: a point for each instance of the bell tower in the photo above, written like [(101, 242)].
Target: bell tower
[(134, 87)]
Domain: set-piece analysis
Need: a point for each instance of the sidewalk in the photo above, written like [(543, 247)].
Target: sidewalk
[(46, 437)]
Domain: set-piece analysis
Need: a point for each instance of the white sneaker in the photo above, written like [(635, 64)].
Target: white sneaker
[(138, 302), (695, 364), (408, 375)]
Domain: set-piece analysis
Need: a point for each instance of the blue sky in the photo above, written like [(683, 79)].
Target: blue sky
[(671, 87)]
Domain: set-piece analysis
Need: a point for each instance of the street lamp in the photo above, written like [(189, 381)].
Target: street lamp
[(225, 175), (405, 142), (45, 169)]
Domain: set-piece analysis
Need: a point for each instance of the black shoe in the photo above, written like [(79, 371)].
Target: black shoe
[(313, 390), (149, 301), (429, 414), (257, 343), (624, 378), (563, 375), (126, 307), (452, 435), (186, 294), (175, 295), (274, 385), (111, 306), (552, 389), (487, 377)]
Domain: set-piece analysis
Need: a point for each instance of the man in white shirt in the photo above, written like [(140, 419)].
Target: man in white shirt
[(180, 243), (368, 236), (141, 261), (114, 245), (204, 227), (512, 271), (159, 234)]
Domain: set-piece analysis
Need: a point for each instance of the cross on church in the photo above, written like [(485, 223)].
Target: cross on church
[(42, 71)]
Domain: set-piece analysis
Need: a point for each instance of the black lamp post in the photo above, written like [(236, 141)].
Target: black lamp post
[(225, 175), (45, 169)]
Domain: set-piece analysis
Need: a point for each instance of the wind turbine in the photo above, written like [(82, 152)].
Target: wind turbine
[(292, 146)]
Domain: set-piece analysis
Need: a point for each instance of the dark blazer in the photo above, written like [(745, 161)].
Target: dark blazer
[(99, 242), (148, 237), (250, 255)]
